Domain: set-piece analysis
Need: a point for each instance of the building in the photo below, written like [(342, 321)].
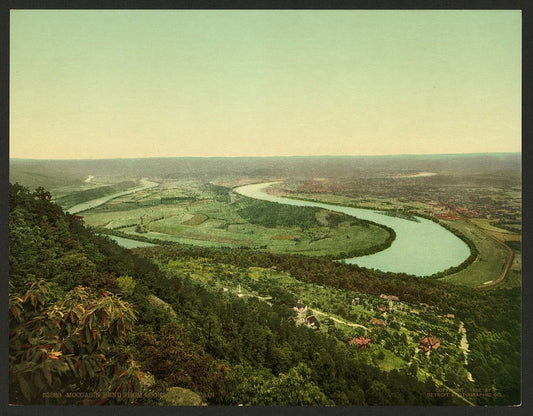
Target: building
[(428, 343), (377, 322), (390, 297), (361, 341)]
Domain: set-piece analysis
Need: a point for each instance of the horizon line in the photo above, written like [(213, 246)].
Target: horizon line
[(271, 156)]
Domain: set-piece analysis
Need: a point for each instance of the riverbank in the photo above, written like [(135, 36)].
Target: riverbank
[(421, 247), (84, 206)]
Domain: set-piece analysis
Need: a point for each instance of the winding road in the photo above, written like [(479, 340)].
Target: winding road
[(318, 312), (507, 265)]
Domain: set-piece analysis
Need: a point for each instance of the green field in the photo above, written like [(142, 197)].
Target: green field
[(486, 225), (190, 212), (514, 276), (225, 313), (381, 203), (205, 219), (489, 264), (492, 255)]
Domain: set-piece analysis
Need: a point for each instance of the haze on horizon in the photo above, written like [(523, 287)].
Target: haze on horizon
[(146, 83)]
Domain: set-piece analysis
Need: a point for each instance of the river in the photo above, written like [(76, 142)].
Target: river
[(421, 247), (129, 243), (93, 203)]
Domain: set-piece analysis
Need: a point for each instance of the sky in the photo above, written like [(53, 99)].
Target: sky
[(162, 83)]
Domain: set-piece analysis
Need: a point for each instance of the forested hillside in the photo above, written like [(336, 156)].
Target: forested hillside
[(93, 323)]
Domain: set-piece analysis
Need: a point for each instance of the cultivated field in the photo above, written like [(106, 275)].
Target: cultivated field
[(186, 213), (191, 203)]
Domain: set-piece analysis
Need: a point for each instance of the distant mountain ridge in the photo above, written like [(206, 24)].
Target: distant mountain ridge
[(48, 172)]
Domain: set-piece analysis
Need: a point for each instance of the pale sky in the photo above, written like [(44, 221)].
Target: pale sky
[(140, 83)]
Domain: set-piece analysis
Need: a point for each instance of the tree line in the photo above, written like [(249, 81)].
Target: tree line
[(81, 304)]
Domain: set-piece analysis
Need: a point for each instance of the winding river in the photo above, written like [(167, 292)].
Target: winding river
[(421, 247), (129, 243), (93, 203)]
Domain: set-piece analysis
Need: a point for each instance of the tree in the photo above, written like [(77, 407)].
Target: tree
[(19, 196), (25, 249), (294, 388), (378, 394), (126, 285), (73, 346), (176, 361), (74, 268)]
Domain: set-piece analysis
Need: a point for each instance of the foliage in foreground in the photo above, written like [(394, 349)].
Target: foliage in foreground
[(69, 348), (226, 349)]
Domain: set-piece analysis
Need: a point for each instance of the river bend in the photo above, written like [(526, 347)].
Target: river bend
[(421, 248)]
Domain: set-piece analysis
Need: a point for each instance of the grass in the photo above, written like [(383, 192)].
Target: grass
[(74, 198), (512, 280), (367, 202), (490, 262), (212, 223), (514, 276), (184, 239), (197, 219), (285, 237), (487, 226), (111, 216), (405, 319), (391, 361), (208, 222)]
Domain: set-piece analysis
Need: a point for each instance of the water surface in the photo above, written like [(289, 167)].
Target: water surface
[(421, 247), (129, 243), (93, 203)]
